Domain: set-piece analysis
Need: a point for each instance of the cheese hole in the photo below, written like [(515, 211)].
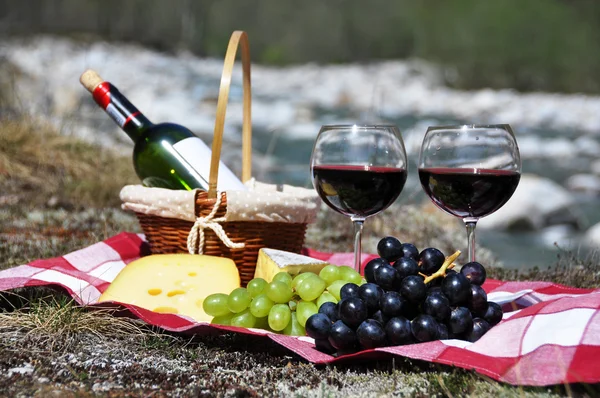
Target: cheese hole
[(192, 274), (166, 310), (175, 293), (154, 292)]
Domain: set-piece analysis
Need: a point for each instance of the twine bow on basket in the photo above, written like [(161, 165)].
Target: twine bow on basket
[(196, 235)]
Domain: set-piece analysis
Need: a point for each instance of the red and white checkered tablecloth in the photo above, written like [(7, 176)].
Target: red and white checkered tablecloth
[(550, 334)]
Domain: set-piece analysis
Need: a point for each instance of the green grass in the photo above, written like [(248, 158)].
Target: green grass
[(77, 352)]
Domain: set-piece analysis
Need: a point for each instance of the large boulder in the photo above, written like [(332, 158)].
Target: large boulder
[(537, 203)]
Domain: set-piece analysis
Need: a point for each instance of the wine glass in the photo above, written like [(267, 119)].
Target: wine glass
[(470, 171), (358, 171)]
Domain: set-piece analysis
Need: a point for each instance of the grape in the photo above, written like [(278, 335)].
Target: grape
[(474, 272), (380, 317), (413, 288), (304, 310), (406, 266), (434, 289), (348, 274), (438, 306), (443, 332), (352, 311), (311, 288), (457, 288), (294, 328), (424, 328), (279, 292), (238, 300), (398, 331), (262, 323), (392, 304), (460, 321), (410, 251), (341, 337), (279, 317), (318, 326), (389, 248), (370, 334), (431, 260), (300, 277), (335, 288), (324, 298), (261, 305), (283, 277), (330, 273), (411, 310), (223, 319), (370, 293), (330, 309), (493, 314), (256, 286), (216, 304), (324, 345), (385, 276), (371, 266), (480, 327), (243, 319), (292, 304), (477, 303), (349, 290)]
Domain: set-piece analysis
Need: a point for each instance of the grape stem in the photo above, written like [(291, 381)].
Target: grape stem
[(448, 264)]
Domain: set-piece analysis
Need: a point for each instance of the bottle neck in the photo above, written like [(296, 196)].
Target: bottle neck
[(127, 116)]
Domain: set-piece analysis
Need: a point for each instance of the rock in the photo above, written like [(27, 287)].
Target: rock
[(537, 203), (587, 146), (595, 167), (592, 236), (585, 183)]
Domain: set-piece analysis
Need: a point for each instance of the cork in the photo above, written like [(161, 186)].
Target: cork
[(90, 80)]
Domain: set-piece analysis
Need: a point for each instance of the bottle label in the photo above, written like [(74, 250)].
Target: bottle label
[(117, 116), (198, 155)]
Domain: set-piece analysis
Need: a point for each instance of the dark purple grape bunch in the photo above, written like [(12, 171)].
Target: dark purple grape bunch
[(409, 297)]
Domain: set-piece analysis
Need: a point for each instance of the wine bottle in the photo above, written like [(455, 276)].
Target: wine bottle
[(165, 155)]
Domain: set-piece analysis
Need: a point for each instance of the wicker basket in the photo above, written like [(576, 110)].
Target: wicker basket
[(170, 235)]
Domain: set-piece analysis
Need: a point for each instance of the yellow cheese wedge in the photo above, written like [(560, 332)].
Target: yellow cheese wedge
[(273, 261), (173, 283)]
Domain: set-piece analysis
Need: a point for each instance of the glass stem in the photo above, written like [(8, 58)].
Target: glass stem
[(358, 227), (470, 224)]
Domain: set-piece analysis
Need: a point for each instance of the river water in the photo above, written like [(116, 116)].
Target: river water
[(559, 135)]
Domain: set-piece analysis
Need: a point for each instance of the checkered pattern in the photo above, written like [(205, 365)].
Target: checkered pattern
[(550, 334)]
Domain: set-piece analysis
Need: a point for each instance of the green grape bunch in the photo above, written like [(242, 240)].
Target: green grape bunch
[(282, 305)]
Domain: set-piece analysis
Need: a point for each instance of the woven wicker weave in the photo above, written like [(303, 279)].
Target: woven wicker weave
[(169, 235)]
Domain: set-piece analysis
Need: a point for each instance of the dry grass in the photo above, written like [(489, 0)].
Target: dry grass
[(41, 166), (58, 324)]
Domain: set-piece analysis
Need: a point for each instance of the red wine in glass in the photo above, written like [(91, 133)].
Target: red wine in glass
[(469, 192), (358, 170), (470, 171), (358, 191)]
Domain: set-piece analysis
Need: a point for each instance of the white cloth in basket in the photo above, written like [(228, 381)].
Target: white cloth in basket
[(261, 202)]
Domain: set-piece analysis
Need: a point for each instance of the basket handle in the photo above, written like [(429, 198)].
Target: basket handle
[(238, 38)]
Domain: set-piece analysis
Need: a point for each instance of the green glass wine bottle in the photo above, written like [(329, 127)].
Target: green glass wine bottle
[(165, 155)]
